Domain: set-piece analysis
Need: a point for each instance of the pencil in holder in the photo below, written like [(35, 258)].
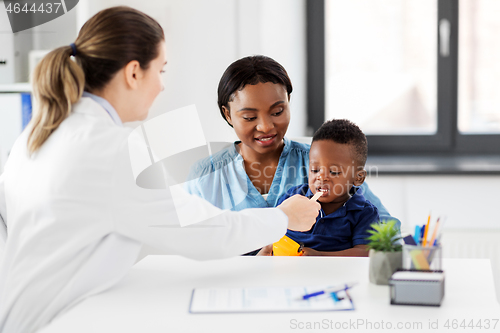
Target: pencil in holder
[(418, 257)]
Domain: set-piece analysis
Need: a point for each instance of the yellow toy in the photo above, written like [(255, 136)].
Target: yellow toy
[(287, 247)]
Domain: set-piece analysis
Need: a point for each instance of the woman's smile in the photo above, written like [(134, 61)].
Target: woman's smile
[(266, 140)]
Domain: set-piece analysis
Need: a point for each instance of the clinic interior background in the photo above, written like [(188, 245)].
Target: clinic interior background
[(204, 37)]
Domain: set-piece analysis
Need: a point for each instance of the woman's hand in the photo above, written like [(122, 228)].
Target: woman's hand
[(301, 212), (266, 251)]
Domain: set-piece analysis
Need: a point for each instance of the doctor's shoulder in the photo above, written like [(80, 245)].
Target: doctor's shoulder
[(87, 134)]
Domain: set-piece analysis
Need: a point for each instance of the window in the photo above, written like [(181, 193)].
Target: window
[(418, 76), (479, 67)]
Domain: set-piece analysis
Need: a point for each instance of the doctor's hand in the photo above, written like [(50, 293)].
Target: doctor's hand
[(301, 212)]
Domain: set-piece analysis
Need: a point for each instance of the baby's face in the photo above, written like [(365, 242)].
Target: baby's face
[(332, 170)]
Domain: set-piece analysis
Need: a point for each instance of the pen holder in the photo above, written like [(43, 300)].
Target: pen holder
[(417, 257), (417, 287), (287, 247)]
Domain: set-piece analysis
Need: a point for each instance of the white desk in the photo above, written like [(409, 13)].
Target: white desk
[(155, 296)]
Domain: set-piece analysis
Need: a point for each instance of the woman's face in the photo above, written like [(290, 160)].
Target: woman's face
[(260, 115), (151, 82)]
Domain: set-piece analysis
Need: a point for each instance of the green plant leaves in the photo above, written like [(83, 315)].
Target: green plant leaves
[(384, 237)]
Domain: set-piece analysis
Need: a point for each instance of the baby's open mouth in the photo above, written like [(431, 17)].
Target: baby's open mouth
[(324, 189)]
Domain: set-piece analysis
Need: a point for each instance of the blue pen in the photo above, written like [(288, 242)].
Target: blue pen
[(328, 291), (416, 236), (422, 233)]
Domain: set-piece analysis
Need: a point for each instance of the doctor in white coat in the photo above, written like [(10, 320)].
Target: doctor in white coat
[(72, 220)]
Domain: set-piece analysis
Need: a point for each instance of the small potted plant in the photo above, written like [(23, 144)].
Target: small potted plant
[(385, 251)]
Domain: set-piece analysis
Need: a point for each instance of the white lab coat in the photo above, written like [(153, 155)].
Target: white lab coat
[(73, 220)]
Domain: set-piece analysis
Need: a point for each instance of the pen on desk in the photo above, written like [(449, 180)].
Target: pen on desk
[(328, 291)]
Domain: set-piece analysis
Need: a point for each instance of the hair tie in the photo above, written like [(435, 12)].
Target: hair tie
[(73, 47)]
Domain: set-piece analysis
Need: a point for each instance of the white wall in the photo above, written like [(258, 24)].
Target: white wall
[(204, 37), (469, 202), (59, 32)]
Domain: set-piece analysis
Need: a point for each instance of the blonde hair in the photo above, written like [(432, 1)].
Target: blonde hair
[(106, 43), (58, 83)]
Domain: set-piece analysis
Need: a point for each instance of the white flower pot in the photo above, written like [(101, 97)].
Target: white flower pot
[(383, 265)]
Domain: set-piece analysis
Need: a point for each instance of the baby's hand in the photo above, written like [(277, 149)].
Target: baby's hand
[(266, 250), (310, 252)]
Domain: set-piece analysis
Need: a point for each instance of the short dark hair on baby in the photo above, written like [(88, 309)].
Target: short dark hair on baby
[(345, 132)]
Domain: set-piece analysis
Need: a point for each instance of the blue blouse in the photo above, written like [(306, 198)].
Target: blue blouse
[(222, 180)]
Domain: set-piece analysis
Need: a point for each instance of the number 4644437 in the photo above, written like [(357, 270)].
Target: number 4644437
[(472, 324), (47, 7)]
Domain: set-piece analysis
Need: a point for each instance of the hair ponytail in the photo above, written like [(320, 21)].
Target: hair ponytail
[(58, 82), (107, 42)]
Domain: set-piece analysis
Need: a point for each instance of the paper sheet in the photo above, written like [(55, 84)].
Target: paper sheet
[(265, 299)]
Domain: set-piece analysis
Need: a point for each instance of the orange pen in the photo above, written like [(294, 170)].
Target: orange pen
[(424, 241)]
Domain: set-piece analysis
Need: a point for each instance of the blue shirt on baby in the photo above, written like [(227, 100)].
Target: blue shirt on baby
[(221, 179), (344, 228)]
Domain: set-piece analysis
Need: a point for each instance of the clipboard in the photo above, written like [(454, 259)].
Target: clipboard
[(266, 299)]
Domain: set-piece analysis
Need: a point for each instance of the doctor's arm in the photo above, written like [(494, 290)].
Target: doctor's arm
[(176, 222), (3, 214), (190, 226)]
